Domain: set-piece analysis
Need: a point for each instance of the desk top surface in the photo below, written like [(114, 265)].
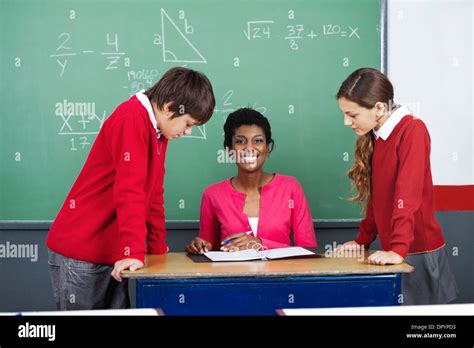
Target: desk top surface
[(178, 265)]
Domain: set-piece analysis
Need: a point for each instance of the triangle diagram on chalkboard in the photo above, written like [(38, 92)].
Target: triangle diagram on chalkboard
[(177, 48)]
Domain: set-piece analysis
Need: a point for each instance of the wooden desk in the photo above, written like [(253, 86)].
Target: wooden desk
[(180, 286)]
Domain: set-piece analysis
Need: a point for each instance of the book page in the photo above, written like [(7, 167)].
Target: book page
[(287, 252), (252, 254), (241, 255)]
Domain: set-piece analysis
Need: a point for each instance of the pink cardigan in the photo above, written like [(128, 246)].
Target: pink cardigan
[(283, 208)]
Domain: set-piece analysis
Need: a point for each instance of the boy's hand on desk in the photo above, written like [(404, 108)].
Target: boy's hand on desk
[(240, 241), (385, 258), (198, 246), (132, 264)]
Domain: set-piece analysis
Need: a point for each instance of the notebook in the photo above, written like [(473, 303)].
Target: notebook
[(252, 254)]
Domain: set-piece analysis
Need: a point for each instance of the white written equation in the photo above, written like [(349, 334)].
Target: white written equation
[(141, 79), (296, 32), (79, 121), (113, 57)]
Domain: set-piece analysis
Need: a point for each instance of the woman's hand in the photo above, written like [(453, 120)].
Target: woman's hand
[(198, 246), (240, 241), (385, 258)]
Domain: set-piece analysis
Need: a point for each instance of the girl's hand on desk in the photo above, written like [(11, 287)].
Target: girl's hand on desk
[(120, 265), (385, 258), (198, 246), (240, 241)]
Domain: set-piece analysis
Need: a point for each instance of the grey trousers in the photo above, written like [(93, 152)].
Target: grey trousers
[(80, 285)]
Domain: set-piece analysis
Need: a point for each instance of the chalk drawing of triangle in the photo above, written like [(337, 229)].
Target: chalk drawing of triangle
[(191, 53)]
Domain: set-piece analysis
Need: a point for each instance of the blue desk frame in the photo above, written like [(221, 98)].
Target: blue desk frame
[(263, 295)]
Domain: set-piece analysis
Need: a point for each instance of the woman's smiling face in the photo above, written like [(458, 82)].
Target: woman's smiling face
[(250, 146)]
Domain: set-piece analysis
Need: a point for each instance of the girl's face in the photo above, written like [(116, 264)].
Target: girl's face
[(360, 119), (250, 147)]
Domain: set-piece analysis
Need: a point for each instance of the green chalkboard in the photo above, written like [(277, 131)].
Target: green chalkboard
[(284, 58)]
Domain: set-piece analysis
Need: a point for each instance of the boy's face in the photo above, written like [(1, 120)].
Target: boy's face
[(173, 127)]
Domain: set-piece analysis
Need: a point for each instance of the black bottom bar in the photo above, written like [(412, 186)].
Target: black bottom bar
[(225, 331)]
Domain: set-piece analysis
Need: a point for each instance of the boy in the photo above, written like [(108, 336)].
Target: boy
[(114, 212)]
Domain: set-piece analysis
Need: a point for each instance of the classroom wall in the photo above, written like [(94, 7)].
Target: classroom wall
[(430, 55)]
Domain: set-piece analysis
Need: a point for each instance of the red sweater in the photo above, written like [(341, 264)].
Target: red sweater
[(115, 207), (401, 209)]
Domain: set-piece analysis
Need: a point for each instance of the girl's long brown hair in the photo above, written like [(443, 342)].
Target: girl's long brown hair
[(366, 87)]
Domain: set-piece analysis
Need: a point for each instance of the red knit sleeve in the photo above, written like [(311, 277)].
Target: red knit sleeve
[(414, 149), (367, 228), (128, 142), (156, 237), (301, 220), (209, 229)]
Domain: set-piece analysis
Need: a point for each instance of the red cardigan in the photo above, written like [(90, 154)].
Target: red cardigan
[(115, 208), (401, 209)]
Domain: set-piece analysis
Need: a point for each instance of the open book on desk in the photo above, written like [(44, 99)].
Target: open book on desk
[(252, 254)]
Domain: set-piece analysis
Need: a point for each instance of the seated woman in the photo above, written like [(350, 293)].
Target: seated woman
[(254, 208)]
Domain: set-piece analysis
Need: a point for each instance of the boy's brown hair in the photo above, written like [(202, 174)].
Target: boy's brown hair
[(190, 91)]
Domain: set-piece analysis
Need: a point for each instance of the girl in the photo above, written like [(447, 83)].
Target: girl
[(392, 176), (254, 208)]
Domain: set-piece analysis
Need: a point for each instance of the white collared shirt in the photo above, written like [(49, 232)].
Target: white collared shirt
[(146, 103), (389, 125), (253, 222)]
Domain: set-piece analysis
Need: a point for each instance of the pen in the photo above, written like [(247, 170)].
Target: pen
[(227, 241)]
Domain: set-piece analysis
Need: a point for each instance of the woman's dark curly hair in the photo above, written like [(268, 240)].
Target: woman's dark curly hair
[(246, 117)]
